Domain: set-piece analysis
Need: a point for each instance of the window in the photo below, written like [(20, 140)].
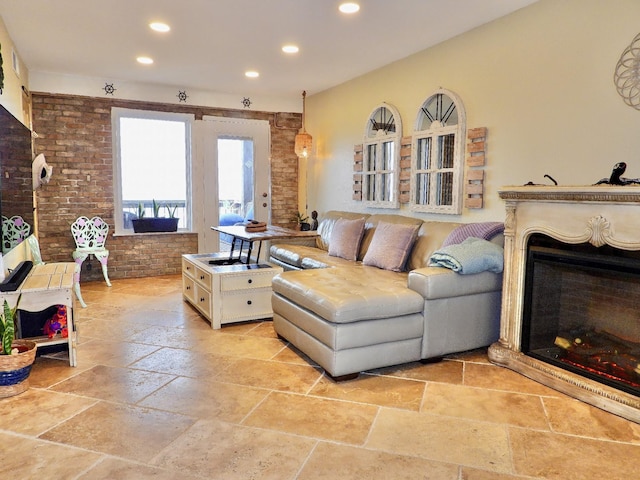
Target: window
[(152, 162), (381, 158), (436, 163)]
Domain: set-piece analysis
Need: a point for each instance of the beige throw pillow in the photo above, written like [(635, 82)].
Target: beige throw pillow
[(390, 246), (345, 238)]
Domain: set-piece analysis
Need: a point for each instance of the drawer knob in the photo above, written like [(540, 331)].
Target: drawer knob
[(202, 299), (248, 302), (249, 281), (188, 287), (201, 277)]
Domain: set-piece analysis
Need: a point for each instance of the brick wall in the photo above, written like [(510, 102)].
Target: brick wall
[(74, 134)]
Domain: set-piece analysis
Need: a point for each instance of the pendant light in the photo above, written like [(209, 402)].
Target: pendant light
[(303, 139)]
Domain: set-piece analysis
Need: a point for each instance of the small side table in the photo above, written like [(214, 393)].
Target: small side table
[(47, 285), (227, 293)]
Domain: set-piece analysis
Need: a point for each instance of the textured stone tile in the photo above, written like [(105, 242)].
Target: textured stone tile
[(35, 411), (173, 337), (290, 354), (486, 405), (241, 345), (204, 398), (574, 417), (28, 458), (445, 439), (112, 328), (156, 317), (314, 417), (445, 371), (263, 329), (125, 431), (112, 352), (331, 461), (559, 457), (377, 390), (499, 378), (475, 474), (478, 355), (246, 328), (114, 384), (47, 371), (188, 363), (220, 451), (117, 469), (272, 375)]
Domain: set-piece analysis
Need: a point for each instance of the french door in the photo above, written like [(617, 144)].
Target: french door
[(235, 175)]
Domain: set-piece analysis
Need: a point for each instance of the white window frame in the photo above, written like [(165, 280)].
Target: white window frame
[(435, 133), (116, 114), (373, 172)]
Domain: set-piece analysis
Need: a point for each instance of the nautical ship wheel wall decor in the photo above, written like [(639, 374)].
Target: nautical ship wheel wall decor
[(627, 74)]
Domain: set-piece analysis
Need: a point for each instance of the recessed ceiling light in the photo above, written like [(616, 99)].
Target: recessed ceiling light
[(145, 60), (252, 74), (349, 7), (159, 27), (290, 49)]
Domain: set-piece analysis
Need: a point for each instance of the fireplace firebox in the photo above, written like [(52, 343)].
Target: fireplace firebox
[(581, 312), (570, 317)]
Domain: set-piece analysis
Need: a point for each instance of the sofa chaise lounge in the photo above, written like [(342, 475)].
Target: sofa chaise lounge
[(357, 306)]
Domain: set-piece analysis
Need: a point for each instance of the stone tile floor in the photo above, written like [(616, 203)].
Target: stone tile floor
[(158, 394)]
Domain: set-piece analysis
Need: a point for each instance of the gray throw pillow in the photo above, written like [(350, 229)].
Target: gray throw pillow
[(391, 245), (345, 238)]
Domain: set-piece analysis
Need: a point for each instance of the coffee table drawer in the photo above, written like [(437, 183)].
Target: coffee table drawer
[(247, 280), (249, 304), (189, 288), (203, 277)]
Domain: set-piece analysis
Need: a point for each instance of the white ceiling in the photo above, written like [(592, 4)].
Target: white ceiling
[(213, 42)]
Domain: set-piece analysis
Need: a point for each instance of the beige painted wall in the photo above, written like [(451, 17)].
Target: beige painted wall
[(540, 80), (11, 97)]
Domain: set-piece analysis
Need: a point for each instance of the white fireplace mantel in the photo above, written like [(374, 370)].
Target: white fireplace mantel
[(600, 215)]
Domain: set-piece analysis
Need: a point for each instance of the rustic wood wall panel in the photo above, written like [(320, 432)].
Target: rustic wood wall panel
[(357, 176), (476, 159)]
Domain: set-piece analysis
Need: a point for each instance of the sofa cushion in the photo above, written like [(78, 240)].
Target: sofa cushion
[(345, 238), (350, 293), (430, 238), (438, 282), (329, 220), (390, 246), (302, 256)]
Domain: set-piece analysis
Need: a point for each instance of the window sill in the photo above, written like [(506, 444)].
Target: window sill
[(132, 234)]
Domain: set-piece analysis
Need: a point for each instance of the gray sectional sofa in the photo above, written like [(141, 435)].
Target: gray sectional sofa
[(349, 315)]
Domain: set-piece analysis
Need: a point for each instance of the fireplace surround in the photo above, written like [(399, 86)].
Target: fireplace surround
[(583, 242)]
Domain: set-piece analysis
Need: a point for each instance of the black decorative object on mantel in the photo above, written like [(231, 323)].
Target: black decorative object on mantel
[(616, 177), (182, 96), (246, 102), (529, 184)]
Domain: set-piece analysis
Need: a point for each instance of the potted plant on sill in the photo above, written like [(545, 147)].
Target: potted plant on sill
[(156, 223), (301, 222), (16, 356)]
